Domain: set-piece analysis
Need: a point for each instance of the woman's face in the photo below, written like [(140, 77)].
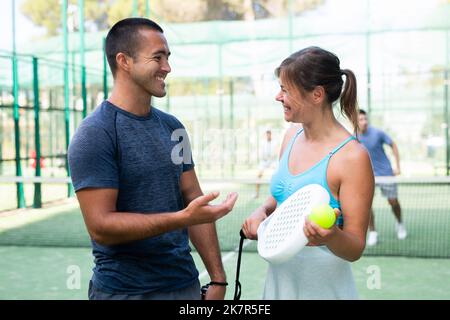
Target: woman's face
[(296, 104)]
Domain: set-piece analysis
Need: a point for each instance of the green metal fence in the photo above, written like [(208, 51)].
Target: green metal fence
[(38, 116), (222, 86)]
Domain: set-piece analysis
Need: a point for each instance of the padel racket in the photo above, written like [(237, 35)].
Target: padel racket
[(281, 236)]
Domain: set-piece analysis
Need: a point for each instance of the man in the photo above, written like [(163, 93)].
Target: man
[(267, 158), (137, 189), (374, 139)]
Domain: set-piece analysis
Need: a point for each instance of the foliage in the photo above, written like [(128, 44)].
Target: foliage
[(101, 14)]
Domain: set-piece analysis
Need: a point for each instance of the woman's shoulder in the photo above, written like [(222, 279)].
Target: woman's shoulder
[(350, 162), (354, 153)]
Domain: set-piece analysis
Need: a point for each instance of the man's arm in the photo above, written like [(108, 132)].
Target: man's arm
[(204, 236), (108, 227), (397, 158)]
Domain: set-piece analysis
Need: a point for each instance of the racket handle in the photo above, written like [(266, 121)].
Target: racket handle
[(237, 287)]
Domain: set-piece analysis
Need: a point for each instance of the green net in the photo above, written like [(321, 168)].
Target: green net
[(425, 209), (222, 88)]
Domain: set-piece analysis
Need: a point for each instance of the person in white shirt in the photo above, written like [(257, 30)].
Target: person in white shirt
[(267, 158)]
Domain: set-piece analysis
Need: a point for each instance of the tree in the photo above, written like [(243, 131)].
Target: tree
[(101, 14), (47, 14), (44, 13)]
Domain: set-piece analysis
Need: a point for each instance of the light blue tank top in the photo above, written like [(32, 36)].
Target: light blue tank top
[(284, 184)]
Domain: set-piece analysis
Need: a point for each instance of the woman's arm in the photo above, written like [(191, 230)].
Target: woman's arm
[(355, 195)]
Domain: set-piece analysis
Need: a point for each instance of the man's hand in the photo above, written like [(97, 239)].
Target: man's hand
[(199, 210)]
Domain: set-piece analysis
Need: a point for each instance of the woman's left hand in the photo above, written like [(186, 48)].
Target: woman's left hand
[(316, 234)]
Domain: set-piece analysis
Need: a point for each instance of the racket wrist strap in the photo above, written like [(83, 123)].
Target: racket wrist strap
[(218, 283), (237, 287)]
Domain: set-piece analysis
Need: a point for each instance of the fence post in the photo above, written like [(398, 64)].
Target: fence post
[(233, 140), (37, 202), (446, 116), (82, 57), (66, 90), (105, 72)]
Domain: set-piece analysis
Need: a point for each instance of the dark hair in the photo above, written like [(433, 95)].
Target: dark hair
[(361, 111), (314, 66), (124, 37)]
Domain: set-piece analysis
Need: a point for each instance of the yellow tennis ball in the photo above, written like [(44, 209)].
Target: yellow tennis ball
[(323, 215)]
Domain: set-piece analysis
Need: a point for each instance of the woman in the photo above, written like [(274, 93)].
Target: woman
[(322, 151)]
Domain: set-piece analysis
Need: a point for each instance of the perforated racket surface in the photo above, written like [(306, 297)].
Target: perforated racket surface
[(281, 235)]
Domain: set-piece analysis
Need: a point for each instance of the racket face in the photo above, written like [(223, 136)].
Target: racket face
[(281, 235)]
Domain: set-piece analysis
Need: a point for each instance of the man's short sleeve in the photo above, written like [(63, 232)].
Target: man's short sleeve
[(92, 159), (385, 138)]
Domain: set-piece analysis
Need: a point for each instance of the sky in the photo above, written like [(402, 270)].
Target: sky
[(24, 27)]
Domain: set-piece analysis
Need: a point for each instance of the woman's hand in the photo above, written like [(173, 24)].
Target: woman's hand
[(316, 234), (251, 224)]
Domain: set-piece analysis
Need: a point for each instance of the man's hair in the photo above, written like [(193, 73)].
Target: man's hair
[(361, 111), (124, 37)]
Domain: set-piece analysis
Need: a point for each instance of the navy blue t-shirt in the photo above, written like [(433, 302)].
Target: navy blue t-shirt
[(113, 148), (374, 139)]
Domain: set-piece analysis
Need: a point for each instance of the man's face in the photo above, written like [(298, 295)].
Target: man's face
[(363, 122), (150, 64)]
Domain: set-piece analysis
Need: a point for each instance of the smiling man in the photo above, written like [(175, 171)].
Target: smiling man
[(140, 203)]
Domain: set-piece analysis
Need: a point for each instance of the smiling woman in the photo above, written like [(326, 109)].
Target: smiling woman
[(321, 152)]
